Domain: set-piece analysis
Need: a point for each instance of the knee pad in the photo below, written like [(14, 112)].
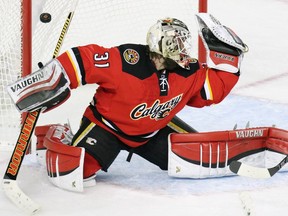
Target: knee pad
[(40, 133), (64, 135)]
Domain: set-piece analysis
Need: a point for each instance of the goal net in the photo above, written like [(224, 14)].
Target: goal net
[(10, 68), (104, 22)]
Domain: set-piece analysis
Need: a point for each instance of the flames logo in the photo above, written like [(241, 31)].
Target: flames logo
[(131, 56)]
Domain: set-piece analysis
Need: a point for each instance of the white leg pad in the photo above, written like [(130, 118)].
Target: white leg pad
[(180, 168), (64, 163), (208, 154), (72, 181)]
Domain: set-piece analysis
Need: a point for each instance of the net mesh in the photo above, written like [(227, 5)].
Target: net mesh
[(108, 23), (10, 68)]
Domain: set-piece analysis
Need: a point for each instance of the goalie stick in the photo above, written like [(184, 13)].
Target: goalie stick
[(242, 169), (9, 183)]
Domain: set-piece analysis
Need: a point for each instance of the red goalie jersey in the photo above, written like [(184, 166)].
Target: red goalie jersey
[(133, 98)]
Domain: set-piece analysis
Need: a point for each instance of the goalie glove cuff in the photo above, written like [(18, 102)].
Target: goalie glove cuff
[(224, 62), (220, 55)]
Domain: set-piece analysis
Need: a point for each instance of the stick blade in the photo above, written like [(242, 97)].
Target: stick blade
[(18, 197), (249, 171)]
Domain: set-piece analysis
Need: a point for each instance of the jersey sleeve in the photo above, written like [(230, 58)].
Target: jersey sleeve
[(217, 85), (92, 64)]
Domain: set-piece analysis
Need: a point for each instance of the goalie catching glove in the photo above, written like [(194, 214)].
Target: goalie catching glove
[(44, 89), (224, 49)]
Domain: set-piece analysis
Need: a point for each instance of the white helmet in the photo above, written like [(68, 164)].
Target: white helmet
[(171, 38)]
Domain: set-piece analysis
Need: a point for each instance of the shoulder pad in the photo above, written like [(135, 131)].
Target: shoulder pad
[(136, 61)]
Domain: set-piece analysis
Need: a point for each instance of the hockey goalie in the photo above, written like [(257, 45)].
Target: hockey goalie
[(141, 89)]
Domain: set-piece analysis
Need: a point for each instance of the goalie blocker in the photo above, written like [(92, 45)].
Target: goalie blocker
[(44, 89)]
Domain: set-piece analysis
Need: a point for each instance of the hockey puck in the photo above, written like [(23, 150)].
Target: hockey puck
[(45, 17)]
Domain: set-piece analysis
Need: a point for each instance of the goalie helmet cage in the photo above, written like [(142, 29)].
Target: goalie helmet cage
[(25, 39)]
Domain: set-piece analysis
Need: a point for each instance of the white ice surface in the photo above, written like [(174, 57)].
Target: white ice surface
[(139, 188)]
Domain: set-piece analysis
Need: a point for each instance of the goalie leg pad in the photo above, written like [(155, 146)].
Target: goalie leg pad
[(67, 164), (277, 146), (188, 158), (206, 155), (64, 163)]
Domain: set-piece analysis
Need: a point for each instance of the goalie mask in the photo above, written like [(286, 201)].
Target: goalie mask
[(171, 38)]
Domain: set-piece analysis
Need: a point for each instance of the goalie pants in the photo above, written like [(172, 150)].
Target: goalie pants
[(105, 146)]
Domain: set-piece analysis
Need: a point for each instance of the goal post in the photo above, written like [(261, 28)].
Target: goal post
[(26, 37), (203, 8), (25, 40)]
